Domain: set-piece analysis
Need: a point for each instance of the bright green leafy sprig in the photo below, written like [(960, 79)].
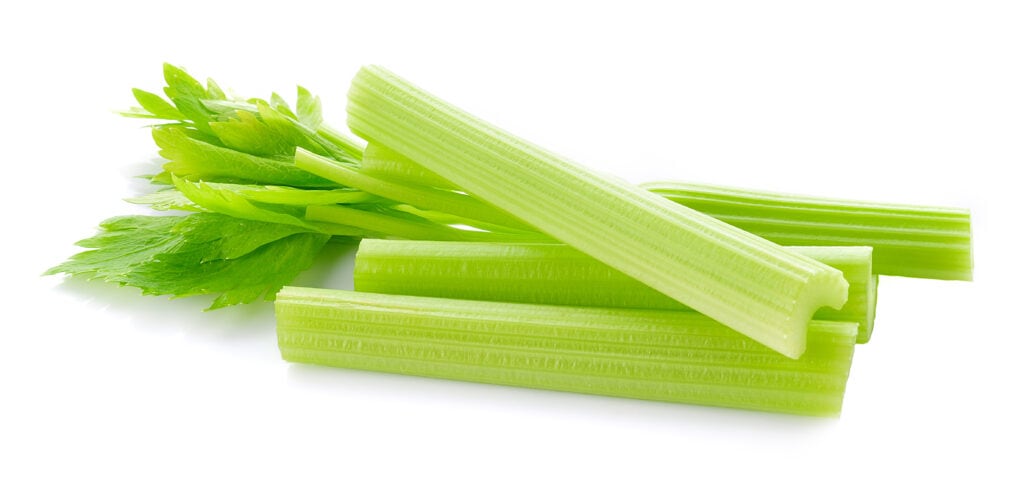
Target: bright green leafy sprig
[(203, 253), (231, 162)]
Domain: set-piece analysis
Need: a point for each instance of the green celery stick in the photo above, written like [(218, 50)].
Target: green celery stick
[(928, 242), (558, 274), (676, 356), (750, 284), (913, 241)]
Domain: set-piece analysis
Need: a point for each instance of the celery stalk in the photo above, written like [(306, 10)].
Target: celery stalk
[(558, 274), (750, 284), (928, 242), (913, 241), (675, 356)]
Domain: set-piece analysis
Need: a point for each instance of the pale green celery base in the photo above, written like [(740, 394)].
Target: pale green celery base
[(558, 274), (741, 280), (644, 354)]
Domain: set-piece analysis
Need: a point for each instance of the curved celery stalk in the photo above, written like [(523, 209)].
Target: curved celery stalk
[(914, 241), (675, 356), (741, 280), (558, 274)]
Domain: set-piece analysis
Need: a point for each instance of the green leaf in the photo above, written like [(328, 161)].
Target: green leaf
[(196, 156), (181, 84), (156, 105), (204, 253), (249, 134), (187, 94), (123, 243), (223, 199), (278, 103), (214, 91), (308, 109), (211, 236), (165, 199)]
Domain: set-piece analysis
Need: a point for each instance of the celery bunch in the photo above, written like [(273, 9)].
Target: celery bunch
[(591, 285)]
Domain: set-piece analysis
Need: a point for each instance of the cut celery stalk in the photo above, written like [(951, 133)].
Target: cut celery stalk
[(675, 356), (426, 198), (910, 241), (913, 241), (754, 286), (558, 274)]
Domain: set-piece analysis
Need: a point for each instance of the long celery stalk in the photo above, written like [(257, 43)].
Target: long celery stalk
[(930, 242), (754, 286), (675, 356), (558, 274)]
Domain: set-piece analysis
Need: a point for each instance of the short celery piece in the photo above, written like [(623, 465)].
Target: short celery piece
[(750, 284), (558, 274), (914, 241), (675, 356)]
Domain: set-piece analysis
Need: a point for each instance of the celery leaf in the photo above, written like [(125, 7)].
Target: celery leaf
[(204, 253)]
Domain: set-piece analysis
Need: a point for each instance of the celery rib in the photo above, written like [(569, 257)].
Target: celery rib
[(558, 274), (743, 281), (676, 356), (913, 241)]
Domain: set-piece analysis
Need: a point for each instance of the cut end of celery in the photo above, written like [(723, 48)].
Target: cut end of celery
[(865, 331), (823, 289)]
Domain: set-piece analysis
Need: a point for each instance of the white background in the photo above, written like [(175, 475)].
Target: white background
[(913, 102)]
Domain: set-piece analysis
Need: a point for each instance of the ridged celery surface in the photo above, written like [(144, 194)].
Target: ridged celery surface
[(754, 286), (913, 241), (558, 274), (677, 356), (930, 242)]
